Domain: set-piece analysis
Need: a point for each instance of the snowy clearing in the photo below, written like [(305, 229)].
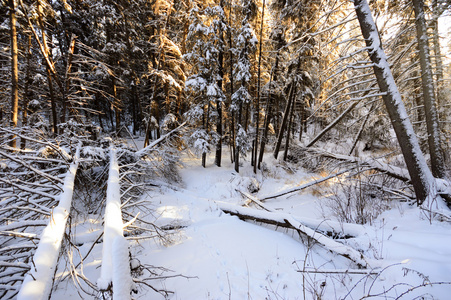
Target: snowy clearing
[(212, 255)]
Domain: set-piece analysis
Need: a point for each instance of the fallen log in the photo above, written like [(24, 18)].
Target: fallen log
[(287, 221), (393, 171), (333, 229), (39, 281), (143, 151), (304, 186), (115, 269)]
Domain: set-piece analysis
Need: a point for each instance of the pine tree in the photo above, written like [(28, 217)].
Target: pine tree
[(205, 45), (246, 43)]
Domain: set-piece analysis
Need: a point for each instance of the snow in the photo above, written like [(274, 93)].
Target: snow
[(38, 283), (122, 280), (113, 224), (222, 257)]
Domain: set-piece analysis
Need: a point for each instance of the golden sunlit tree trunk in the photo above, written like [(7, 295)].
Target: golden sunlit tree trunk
[(14, 70)]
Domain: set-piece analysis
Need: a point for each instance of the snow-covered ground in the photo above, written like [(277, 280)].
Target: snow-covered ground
[(221, 257)]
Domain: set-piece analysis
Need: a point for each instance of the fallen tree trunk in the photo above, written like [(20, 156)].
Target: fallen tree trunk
[(393, 171), (38, 283), (144, 151), (304, 186), (333, 229), (115, 268), (333, 123), (287, 221)]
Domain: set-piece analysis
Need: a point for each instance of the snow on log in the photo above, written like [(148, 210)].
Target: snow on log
[(115, 247), (38, 283), (122, 281), (328, 227), (288, 221)]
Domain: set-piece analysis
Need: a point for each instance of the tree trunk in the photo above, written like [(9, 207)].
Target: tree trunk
[(421, 176), (134, 109), (265, 131), (302, 120), (206, 123), (117, 110), (70, 56), (284, 121), (437, 53), (14, 70), (237, 147), (257, 105), (26, 96), (268, 109), (50, 68), (433, 129), (218, 155), (362, 127), (52, 102), (290, 123), (333, 123)]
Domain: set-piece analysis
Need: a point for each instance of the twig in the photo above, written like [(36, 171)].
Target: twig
[(349, 271)]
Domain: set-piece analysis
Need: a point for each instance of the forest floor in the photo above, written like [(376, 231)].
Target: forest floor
[(219, 256)]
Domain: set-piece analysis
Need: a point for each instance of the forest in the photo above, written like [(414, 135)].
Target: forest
[(225, 149)]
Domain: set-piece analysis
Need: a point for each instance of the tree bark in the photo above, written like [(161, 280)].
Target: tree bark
[(70, 56), (290, 124), (14, 70), (257, 105), (284, 121), (238, 147), (421, 176), (433, 129), (333, 123), (232, 117), (218, 155), (26, 96), (206, 123), (50, 68), (269, 103), (437, 54), (362, 127), (288, 221), (117, 110)]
